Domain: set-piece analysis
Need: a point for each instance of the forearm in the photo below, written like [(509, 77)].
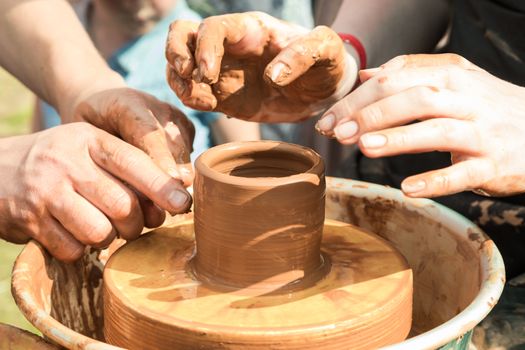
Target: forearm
[(388, 28), (37, 123), (44, 45)]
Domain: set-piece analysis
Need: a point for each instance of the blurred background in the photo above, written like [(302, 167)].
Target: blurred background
[(16, 107)]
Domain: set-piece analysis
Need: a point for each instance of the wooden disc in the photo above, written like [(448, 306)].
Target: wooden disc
[(153, 301)]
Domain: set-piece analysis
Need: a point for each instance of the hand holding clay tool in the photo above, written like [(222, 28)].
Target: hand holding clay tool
[(259, 267), (255, 67)]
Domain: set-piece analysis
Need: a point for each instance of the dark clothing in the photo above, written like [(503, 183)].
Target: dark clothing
[(491, 33)]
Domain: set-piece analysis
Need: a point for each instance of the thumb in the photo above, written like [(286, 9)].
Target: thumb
[(152, 140), (138, 170), (419, 61), (179, 134), (149, 126), (176, 163)]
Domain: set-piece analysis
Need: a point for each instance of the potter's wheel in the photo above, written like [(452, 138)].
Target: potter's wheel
[(153, 300)]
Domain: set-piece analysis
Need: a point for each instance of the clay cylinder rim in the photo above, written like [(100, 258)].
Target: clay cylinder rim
[(205, 163), (281, 245)]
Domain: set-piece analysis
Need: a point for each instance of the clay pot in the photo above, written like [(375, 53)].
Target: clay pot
[(281, 188), (258, 224)]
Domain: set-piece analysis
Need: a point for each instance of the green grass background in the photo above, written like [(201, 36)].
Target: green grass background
[(16, 104)]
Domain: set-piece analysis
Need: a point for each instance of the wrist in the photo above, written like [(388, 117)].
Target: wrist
[(83, 87), (349, 79)]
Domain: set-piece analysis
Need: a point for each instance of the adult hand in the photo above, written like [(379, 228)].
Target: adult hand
[(252, 66), (459, 108), (74, 185), (157, 128), (65, 69)]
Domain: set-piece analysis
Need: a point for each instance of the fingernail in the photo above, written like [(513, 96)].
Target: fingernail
[(174, 173), (346, 130), (412, 187), (178, 199), (206, 103), (372, 70), (279, 72), (373, 140), (187, 175), (326, 123), (185, 170)]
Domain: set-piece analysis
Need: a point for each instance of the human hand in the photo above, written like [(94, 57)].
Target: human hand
[(254, 67), (157, 128), (74, 185), (460, 109)]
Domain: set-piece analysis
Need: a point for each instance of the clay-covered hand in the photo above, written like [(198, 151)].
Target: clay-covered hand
[(423, 103), (252, 66), (156, 127), (75, 185)]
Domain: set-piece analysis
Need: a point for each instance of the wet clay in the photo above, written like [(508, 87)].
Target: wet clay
[(153, 301), (255, 270), (426, 243), (245, 83), (259, 213)]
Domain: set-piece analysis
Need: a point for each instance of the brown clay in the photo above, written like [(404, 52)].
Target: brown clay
[(263, 275), (404, 227), (233, 68), (259, 214), (151, 301)]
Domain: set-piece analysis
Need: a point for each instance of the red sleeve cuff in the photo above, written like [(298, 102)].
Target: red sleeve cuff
[(357, 45)]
